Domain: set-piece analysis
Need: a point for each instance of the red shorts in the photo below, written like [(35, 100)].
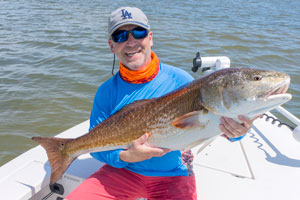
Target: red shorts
[(115, 183)]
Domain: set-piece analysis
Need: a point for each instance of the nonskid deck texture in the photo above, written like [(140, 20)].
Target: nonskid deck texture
[(264, 165)]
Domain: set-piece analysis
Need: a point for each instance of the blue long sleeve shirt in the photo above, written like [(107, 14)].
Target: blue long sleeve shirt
[(115, 93)]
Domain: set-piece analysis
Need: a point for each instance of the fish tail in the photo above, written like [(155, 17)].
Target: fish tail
[(59, 161)]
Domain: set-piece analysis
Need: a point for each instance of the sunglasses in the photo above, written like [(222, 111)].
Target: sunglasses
[(122, 35)]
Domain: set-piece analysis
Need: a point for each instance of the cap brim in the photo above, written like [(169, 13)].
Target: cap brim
[(113, 29)]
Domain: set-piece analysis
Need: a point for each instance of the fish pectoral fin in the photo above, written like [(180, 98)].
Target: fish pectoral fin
[(188, 121)]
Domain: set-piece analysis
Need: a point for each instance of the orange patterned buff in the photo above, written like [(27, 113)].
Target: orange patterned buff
[(141, 76)]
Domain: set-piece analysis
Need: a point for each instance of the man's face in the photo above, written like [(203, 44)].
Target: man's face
[(135, 54)]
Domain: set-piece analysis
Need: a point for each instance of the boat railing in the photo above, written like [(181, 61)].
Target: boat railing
[(288, 115)]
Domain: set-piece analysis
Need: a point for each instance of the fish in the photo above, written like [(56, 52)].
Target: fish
[(179, 120)]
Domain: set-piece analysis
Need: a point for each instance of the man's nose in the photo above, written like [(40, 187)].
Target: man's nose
[(131, 40)]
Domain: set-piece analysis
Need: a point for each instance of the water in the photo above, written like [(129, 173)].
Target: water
[(54, 54)]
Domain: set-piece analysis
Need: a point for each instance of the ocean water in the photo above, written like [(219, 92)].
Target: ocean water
[(54, 54)]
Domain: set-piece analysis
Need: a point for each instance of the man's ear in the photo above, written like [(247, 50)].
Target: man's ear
[(151, 38), (111, 45)]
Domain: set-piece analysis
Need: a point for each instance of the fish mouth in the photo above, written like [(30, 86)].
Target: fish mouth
[(279, 90), (271, 99)]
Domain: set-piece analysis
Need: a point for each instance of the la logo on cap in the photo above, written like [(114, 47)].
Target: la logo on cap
[(126, 14)]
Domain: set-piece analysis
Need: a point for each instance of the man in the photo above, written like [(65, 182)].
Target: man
[(141, 170)]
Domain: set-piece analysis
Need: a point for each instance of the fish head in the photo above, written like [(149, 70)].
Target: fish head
[(244, 91)]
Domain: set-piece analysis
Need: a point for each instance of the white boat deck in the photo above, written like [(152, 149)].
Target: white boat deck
[(264, 165), (261, 166)]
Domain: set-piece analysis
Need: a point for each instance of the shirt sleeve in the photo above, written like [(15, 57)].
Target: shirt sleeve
[(99, 113), (236, 139)]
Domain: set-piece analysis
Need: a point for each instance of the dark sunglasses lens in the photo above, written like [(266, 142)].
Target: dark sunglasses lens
[(139, 33), (120, 36)]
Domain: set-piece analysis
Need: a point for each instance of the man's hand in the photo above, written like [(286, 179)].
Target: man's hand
[(233, 129), (141, 150)]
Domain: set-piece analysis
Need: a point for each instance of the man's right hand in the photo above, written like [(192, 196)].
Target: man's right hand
[(141, 150)]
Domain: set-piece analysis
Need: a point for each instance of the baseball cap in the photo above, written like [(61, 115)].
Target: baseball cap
[(127, 15)]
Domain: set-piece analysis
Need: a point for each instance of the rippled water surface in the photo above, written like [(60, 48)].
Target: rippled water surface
[(54, 54)]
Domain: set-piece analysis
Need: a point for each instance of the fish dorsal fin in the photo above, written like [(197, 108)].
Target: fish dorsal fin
[(188, 121)]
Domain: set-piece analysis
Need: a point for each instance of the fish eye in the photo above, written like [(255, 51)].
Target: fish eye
[(257, 78)]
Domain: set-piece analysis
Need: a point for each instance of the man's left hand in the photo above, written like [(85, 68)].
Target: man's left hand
[(233, 129)]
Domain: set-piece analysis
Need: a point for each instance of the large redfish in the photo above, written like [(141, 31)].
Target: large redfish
[(179, 120)]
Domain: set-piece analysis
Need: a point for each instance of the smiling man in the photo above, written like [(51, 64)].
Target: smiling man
[(141, 170)]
